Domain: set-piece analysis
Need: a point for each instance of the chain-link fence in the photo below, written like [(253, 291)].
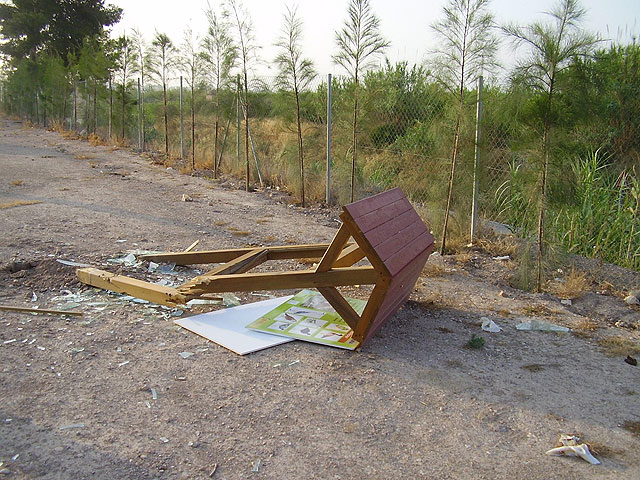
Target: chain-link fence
[(405, 136)]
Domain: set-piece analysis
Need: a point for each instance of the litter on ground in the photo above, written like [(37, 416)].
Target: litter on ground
[(572, 447), (227, 327), (541, 326)]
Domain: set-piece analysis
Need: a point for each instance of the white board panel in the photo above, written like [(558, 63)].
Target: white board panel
[(227, 327)]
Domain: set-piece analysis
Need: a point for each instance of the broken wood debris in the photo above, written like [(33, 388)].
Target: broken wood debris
[(12, 308), (386, 230)]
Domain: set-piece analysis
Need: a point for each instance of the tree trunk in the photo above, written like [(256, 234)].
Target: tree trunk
[(110, 107), (95, 107), (543, 202), (300, 151), (355, 139), (166, 120), (454, 156), (193, 130), (144, 135), (124, 92), (246, 128)]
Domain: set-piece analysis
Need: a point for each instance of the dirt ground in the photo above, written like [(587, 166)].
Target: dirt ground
[(77, 393)]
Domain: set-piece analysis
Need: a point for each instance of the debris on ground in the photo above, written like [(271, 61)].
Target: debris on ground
[(571, 446), (72, 264), (541, 326), (489, 325), (632, 300), (12, 308), (227, 327)]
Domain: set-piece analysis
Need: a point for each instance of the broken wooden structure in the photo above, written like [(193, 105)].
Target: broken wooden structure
[(385, 229)]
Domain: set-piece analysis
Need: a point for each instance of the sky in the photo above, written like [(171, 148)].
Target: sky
[(405, 23)]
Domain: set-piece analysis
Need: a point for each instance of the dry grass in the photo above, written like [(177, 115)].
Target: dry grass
[(17, 183), (602, 450), (269, 239), (96, 140), (538, 310), (93, 164), (17, 203), (499, 246), (462, 258), (533, 367), (220, 223), (308, 261), (632, 426), (584, 327), (236, 232), (262, 221), (617, 345), (574, 286), (83, 156)]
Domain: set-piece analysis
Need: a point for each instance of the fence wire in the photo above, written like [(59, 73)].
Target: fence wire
[(404, 137)]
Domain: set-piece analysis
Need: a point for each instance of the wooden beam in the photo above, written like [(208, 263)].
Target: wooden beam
[(370, 311), (192, 246), (340, 305), (136, 288), (11, 308), (349, 256), (336, 246), (222, 256), (364, 244), (247, 282), (241, 264)]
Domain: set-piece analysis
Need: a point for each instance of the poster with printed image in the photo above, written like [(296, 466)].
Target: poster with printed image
[(308, 316)]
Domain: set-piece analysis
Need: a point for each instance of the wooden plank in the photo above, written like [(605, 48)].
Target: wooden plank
[(192, 246), (364, 244), (382, 232), (337, 244), (340, 305), (247, 282), (241, 264), (383, 215), (226, 255), (370, 311), (11, 308), (398, 261), (131, 286), (349, 256), (398, 242), (367, 205)]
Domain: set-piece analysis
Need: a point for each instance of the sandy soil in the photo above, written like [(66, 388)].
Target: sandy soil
[(76, 392)]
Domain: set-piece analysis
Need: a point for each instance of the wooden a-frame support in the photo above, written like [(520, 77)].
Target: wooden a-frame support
[(373, 223)]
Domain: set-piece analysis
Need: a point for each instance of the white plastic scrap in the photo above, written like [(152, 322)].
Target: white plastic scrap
[(541, 326), (129, 260), (573, 448), (72, 264), (632, 300), (73, 425), (489, 325), (186, 355)]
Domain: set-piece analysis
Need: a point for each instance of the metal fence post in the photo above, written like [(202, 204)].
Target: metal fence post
[(328, 196), (139, 116), (181, 123), (476, 163)]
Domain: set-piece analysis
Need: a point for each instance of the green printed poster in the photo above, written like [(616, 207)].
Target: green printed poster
[(308, 316)]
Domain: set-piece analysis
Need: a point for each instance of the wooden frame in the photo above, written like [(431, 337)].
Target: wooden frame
[(385, 229)]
